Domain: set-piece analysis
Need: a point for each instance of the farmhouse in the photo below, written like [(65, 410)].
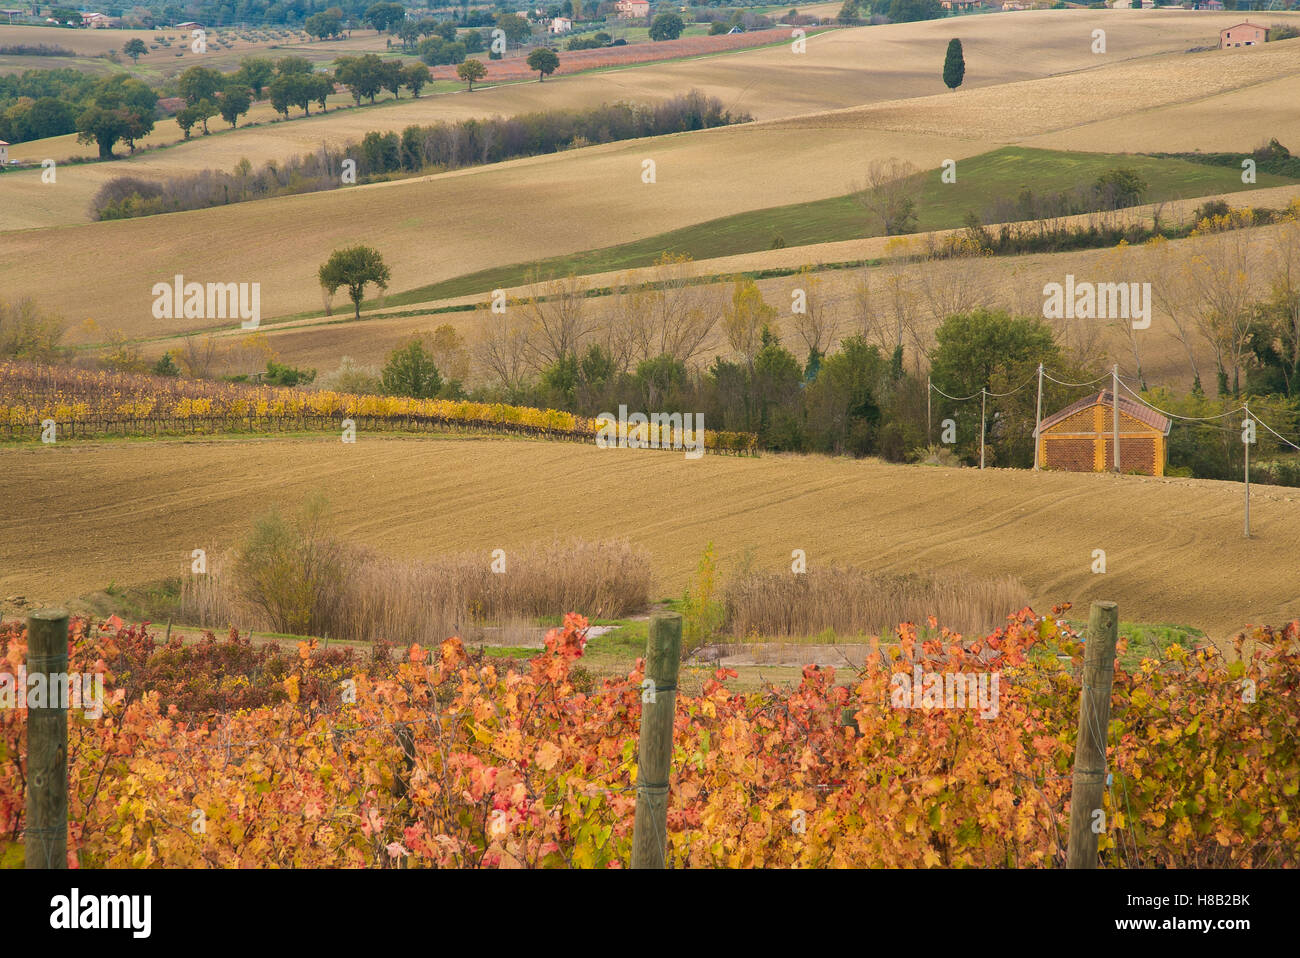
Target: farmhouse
[(561, 25), (1079, 438), (961, 4), (4, 153), (633, 9), (1241, 35)]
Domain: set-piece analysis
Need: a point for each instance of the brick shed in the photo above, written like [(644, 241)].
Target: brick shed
[(1079, 437)]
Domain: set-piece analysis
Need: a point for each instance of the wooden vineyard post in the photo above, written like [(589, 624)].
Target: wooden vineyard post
[(654, 763), (1090, 749), (45, 834)]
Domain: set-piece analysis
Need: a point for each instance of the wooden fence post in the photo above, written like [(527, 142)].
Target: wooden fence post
[(658, 706), (45, 835), (1094, 718)]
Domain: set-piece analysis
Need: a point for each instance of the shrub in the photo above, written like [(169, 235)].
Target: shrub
[(351, 378), (702, 613), (293, 571), (28, 334), (166, 366), (278, 374)]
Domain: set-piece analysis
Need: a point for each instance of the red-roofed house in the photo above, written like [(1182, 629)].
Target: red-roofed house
[(1242, 35), (1080, 438)]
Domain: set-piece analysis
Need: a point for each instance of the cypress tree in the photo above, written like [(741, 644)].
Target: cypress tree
[(954, 65)]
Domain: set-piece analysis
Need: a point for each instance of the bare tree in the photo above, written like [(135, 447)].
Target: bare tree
[(672, 314), (1169, 291), (502, 349), (1119, 264), (450, 356), (956, 283), (198, 355), (1285, 283), (1218, 287), (559, 321), (888, 194), (864, 306), (812, 317), (897, 293)]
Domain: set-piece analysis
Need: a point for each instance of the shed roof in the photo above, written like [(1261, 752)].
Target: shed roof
[(1141, 413)]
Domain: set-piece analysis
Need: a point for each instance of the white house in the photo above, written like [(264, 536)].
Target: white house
[(561, 25), (633, 9), (4, 153)]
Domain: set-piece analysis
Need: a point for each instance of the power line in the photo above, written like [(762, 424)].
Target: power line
[(1256, 418), (1062, 382), (955, 398), (1171, 415)]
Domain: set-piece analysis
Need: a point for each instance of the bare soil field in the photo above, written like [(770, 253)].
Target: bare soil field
[(85, 514), (840, 69), (446, 225)]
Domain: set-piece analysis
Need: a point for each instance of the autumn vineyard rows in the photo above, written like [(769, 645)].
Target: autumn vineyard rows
[(87, 404), (223, 754)]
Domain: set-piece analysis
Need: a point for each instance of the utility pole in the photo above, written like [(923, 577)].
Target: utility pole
[(983, 396), (1246, 437), (929, 419), (1038, 417), (1114, 395)]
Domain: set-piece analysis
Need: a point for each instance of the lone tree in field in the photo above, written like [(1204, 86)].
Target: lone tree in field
[(354, 267), (889, 195), (544, 61), (471, 70), (667, 26), (954, 65), (133, 48)]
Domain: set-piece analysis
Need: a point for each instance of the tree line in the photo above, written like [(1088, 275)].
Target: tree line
[(438, 146)]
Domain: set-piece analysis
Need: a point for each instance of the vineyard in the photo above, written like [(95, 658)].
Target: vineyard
[(223, 755), (573, 61), (88, 404)]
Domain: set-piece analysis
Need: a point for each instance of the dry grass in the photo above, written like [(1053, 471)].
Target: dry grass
[(851, 602), (81, 515), (426, 601)]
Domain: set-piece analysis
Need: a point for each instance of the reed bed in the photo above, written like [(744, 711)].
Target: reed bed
[(852, 602), (376, 597)]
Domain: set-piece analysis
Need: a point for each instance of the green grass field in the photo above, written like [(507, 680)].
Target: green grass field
[(1002, 173)]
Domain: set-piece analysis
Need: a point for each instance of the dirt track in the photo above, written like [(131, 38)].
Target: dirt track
[(80, 515)]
